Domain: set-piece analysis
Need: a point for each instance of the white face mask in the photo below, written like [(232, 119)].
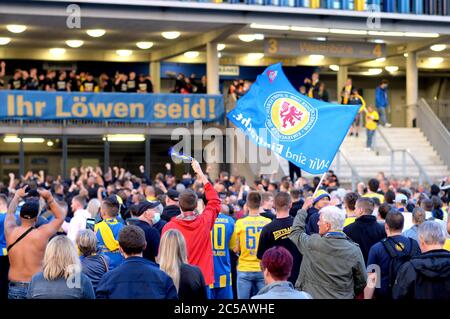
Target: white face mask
[(156, 218)]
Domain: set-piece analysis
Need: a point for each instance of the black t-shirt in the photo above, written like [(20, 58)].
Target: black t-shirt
[(61, 85), (145, 86), (132, 85), (295, 207), (268, 214), (32, 84), (121, 87), (152, 238), (48, 83), (89, 86), (276, 233), (74, 87), (16, 84), (107, 85)]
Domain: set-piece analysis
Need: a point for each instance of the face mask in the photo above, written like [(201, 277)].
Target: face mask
[(156, 218)]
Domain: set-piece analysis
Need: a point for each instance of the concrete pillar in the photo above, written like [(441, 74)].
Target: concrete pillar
[(155, 73), (412, 87), (212, 68), (342, 76), (212, 87)]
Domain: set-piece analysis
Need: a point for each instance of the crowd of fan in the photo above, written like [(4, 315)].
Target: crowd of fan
[(71, 81), (130, 236)]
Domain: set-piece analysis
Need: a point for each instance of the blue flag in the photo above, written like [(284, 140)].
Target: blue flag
[(305, 131)]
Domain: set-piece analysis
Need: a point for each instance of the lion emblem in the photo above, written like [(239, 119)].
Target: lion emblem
[(289, 114)]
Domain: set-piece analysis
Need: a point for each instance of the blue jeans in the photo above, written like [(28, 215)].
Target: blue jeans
[(382, 114), (18, 290), (370, 134), (249, 283)]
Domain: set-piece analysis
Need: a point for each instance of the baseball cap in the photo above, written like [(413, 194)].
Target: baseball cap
[(146, 205), (319, 195), (401, 198), (173, 194), (30, 209)]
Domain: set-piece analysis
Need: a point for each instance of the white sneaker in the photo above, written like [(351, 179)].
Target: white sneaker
[(388, 124), (367, 149)]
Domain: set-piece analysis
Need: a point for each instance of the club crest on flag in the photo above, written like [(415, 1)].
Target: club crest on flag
[(290, 117)]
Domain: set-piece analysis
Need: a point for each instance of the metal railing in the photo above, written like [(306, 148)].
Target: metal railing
[(404, 153), (355, 177), (442, 110), (434, 129)]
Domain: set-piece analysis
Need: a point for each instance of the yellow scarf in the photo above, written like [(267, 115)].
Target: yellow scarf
[(108, 237)]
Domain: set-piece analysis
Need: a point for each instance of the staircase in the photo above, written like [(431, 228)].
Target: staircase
[(414, 156), (366, 164)]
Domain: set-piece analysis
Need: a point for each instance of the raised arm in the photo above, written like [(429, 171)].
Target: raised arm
[(10, 220), (212, 208), (52, 227), (298, 234)]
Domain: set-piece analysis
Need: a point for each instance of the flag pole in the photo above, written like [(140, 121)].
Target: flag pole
[(320, 183)]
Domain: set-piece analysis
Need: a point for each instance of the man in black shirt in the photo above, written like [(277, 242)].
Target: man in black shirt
[(49, 81), (297, 201), (105, 83), (120, 84), (277, 232), (74, 82), (172, 208), (267, 205), (16, 82), (132, 83), (366, 231), (89, 85), (143, 219), (62, 84), (32, 81), (144, 84)]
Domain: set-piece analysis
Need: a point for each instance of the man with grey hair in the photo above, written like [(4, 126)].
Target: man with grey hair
[(333, 265), (418, 217), (426, 276)]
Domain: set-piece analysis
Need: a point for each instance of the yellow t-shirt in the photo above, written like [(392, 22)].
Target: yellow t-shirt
[(447, 245), (248, 230), (370, 122), (349, 220), (372, 195)]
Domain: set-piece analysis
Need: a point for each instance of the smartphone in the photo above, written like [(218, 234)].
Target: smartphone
[(90, 223)]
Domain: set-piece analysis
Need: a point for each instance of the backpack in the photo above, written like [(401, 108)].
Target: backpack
[(397, 259)]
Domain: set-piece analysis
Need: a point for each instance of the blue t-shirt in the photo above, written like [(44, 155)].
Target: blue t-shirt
[(379, 256), (221, 235)]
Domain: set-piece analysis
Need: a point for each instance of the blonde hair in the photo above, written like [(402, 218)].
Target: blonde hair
[(93, 207), (61, 259), (172, 254), (86, 242)]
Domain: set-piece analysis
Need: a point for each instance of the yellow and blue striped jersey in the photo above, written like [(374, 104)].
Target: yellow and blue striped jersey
[(248, 230), (223, 239)]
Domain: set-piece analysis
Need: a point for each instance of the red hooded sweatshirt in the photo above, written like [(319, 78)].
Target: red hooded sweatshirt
[(196, 232)]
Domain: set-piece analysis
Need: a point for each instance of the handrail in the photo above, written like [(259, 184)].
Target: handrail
[(349, 163), (404, 151), (434, 130)]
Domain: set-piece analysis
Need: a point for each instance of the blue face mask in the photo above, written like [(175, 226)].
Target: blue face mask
[(156, 218)]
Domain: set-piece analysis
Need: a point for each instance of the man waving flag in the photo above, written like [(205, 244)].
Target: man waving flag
[(305, 131)]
